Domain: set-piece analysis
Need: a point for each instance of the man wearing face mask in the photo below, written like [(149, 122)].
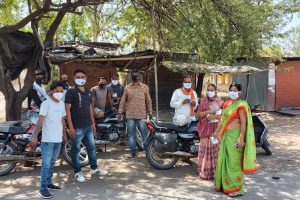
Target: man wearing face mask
[(116, 90), (137, 103), (101, 99), (65, 80), (184, 100), (37, 94), (51, 120), (81, 124)]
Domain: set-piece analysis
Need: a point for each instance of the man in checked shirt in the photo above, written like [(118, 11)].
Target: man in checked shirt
[(137, 104)]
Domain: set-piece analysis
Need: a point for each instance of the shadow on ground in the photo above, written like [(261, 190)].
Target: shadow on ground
[(135, 179)]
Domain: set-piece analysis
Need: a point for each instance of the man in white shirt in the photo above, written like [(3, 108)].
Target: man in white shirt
[(51, 120), (184, 100)]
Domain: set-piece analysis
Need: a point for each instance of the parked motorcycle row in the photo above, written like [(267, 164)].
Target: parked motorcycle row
[(166, 143), (15, 137)]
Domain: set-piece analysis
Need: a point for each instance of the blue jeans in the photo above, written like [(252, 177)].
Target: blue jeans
[(131, 127), (50, 152), (86, 136)]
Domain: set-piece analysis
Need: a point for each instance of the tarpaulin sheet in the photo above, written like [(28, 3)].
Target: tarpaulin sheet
[(17, 49)]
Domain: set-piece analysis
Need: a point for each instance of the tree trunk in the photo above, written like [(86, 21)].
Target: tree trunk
[(13, 106), (200, 84)]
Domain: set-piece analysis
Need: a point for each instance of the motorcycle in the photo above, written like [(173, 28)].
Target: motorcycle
[(14, 139), (167, 142), (110, 130)]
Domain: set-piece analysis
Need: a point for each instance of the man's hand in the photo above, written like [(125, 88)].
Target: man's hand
[(186, 101), (150, 116), (114, 110), (34, 142), (72, 133), (65, 139), (94, 129), (193, 103), (119, 117)]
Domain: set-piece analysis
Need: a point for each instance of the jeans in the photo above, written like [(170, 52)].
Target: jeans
[(131, 126), (86, 136), (50, 152)]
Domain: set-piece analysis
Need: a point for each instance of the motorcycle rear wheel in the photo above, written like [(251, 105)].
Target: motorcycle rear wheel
[(7, 166), (67, 154), (158, 161)]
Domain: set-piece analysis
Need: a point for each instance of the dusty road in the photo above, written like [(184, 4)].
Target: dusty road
[(135, 179)]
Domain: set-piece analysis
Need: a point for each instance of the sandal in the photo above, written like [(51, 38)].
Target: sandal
[(130, 156), (234, 194)]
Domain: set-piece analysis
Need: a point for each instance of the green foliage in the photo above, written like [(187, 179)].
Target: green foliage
[(217, 30), (10, 11)]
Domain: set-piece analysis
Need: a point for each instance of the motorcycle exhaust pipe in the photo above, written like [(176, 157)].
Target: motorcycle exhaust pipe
[(16, 158)]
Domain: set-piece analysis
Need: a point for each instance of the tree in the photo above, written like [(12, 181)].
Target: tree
[(37, 11)]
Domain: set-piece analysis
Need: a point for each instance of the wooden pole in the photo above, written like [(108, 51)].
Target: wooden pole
[(155, 60)]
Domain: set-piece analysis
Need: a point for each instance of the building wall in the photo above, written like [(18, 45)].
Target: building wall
[(287, 85), (93, 70)]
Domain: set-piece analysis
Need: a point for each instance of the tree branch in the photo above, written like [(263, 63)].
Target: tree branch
[(27, 19)]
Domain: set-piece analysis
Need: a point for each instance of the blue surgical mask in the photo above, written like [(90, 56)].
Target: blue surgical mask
[(233, 95), (80, 82), (187, 85), (114, 82)]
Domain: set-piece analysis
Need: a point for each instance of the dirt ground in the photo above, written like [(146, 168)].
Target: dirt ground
[(135, 179)]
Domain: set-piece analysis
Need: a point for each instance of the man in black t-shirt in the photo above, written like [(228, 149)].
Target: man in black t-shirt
[(81, 124)]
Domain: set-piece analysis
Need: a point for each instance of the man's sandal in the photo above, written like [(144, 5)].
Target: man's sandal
[(130, 156)]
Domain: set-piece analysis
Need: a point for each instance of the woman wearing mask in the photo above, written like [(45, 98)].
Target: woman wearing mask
[(209, 113), (237, 150)]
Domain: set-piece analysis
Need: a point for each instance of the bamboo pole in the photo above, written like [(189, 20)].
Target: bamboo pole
[(155, 61)]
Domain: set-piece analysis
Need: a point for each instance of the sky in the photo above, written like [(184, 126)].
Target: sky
[(288, 43)]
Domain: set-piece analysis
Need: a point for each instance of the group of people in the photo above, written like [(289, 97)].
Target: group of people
[(229, 123), (79, 107), (227, 146)]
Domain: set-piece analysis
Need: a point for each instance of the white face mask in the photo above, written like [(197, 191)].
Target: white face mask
[(211, 94), (80, 82), (114, 82), (187, 85), (233, 95), (58, 95)]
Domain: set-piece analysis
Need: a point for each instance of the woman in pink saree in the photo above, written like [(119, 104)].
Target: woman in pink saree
[(209, 114)]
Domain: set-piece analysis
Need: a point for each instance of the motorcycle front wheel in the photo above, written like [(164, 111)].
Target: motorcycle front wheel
[(157, 160), (6, 166), (67, 154)]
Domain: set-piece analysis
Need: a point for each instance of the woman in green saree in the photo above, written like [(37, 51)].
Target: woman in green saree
[(237, 150)]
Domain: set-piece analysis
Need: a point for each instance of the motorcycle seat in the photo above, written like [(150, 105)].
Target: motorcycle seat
[(15, 130), (173, 127)]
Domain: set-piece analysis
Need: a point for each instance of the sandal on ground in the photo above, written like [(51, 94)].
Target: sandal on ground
[(130, 156), (234, 194)]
